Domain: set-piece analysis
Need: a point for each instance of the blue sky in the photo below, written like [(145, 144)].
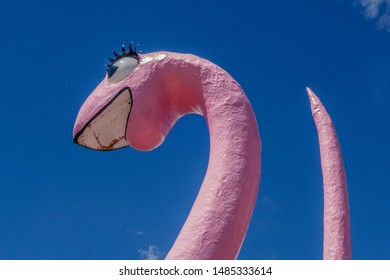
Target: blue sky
[(61, 201)]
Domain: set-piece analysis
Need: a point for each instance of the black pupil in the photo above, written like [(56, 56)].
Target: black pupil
[(112, 70)]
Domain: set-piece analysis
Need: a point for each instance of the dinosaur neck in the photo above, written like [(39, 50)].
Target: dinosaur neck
[(219, 218)]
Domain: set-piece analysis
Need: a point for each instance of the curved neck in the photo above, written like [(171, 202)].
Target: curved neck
[(219, 218)]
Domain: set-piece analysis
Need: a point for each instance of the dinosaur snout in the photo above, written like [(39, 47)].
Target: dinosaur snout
[(101, 124)]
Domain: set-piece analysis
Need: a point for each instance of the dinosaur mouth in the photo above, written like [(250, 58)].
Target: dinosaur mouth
[(106, 130)]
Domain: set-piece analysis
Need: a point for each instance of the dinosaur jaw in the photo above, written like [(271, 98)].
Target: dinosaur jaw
[(106, 129)]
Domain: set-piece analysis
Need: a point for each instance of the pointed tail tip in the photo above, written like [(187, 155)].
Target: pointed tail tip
[(310, 93), (312, 97)]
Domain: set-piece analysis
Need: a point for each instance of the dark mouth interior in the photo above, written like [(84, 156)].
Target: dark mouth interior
[(107, 129)]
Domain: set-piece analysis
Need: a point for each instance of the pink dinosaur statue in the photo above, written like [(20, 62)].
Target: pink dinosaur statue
[(138, 102)]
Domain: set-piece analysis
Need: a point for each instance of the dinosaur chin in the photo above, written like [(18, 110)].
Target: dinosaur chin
[(114, 114)]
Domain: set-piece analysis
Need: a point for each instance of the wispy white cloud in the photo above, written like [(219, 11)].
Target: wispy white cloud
[(135, 232), (378, 10), (152, 253), (269, 203)]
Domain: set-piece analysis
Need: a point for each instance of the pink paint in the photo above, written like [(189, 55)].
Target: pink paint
[(164, 87), (337, 244), (140, 108)]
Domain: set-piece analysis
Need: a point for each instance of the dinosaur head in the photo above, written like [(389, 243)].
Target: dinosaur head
[(128, 107)]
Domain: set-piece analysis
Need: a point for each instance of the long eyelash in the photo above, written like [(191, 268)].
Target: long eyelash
[(132, 52)]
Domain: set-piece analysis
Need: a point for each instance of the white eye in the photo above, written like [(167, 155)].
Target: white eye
[(121, 68)]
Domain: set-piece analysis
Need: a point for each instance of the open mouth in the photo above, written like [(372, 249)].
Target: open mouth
[(106, 130)]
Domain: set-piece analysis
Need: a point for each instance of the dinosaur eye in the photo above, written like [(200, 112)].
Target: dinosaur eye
[(121, 68)]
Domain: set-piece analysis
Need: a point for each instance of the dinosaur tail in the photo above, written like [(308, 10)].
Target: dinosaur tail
[(337, 243)]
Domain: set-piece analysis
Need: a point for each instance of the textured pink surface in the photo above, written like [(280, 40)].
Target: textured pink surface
[(166, 86), (337, 243)]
